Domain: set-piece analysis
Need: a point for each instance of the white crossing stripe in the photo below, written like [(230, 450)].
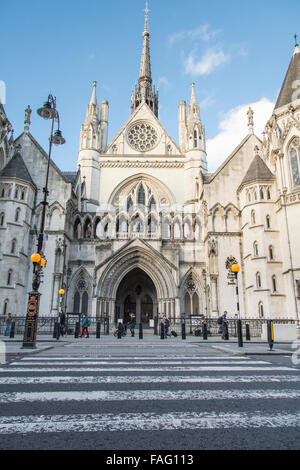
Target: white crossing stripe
[(145, 422), (147, 395), (145, 363), (113, 379), (135, 358), (148, 369)]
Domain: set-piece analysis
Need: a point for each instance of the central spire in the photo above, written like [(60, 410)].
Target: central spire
[(145, 92)]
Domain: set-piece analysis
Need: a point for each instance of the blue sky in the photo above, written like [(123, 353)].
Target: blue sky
[(237, 53)]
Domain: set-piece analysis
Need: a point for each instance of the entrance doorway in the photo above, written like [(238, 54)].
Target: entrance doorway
[(136, 294)]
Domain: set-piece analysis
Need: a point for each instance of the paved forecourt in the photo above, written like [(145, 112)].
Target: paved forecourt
[(147, 395)]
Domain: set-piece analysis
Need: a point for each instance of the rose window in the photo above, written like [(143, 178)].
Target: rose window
[(142, 137)]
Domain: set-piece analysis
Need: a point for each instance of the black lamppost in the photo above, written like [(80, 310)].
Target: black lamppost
[(48, 111), (235, 268)]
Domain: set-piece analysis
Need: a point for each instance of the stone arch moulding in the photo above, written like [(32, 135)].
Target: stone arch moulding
[(137, 257), (160, 189)]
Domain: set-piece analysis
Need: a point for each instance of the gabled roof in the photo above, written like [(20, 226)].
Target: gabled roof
[(258, 170), (288, 88), (16, 168)]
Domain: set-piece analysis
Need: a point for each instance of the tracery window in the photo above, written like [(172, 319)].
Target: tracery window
[(294, 153)]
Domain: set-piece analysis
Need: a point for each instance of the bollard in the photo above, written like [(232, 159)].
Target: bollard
[(183, 335), (98, 328), (77, 325), (140, 331), (12, 329), (270, 334), (204, 331), (162, 331), (120, 331), (240, 333), (248, 332)]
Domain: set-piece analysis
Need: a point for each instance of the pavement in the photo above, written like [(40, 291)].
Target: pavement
[(255, 347)]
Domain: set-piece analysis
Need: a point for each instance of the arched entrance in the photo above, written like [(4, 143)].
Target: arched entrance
[(136, 294)]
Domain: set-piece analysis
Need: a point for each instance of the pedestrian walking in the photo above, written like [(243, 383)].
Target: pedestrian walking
[(8, 321), (166, 326), (85, 324), (132, 324), (62, 323), (224, 325)]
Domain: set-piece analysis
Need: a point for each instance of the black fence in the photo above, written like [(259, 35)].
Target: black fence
[(193, 325)]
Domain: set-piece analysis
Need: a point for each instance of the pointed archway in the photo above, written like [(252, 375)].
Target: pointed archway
[(136, 294)]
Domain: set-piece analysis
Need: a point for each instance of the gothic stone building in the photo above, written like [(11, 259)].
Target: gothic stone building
[(142, 226)]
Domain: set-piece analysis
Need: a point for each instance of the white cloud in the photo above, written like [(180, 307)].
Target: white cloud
[(202, 32), (163, 81), (212, 59), (233, 129)]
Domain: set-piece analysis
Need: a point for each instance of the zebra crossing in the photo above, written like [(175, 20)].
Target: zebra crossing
[(146, 393)]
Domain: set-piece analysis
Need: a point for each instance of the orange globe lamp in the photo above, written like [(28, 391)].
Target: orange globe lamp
[(35, 258), (43, 262), (235, 268), (61, 292)]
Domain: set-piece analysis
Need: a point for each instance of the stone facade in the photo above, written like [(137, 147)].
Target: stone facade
[(142, 226)]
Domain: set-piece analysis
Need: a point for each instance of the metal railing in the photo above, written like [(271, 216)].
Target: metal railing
[(193, 324)]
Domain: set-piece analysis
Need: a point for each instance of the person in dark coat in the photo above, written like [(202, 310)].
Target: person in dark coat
[(132, 324), (224, 325), (62, 323)]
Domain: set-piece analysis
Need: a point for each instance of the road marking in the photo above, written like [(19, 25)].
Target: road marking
[(112, 379), (143, 363), (147, 395), (145, 422), (135, 358), (148, 369)]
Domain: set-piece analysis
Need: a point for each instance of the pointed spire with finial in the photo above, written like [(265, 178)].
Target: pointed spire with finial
[(92, 113), (27, 121), (145, 92), (297, 48), (250, 114)]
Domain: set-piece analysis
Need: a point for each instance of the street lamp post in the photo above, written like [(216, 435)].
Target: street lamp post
[(48, 111), (235, 268)]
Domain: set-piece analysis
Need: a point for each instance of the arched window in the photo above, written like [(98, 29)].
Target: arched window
[(9, 277), (268, 193), (3, 192), (129, 205), (261, 193), (77, 229), (195, 138), (23, 195), (294, 153), (258, 280), (271, 252), (16, 193), (253, 219), (274, 283), (268, 221), (152, 225), (85, 303), (17, 214), (141, 196), (187, 304), (13, 246), (177, 229), (260, 310), (152, 204), (76, 304), (166, 229), (195, 304), (255, 249), (2, 216), (5, 306)]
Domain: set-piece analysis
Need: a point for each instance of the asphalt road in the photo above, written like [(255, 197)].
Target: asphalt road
[(134, 396)]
